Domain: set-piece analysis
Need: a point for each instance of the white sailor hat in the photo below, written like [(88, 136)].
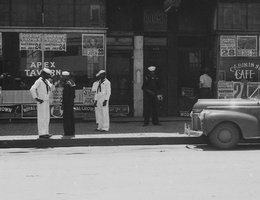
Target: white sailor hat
[(65, 73), (100, 72), (151, 68), (47, 71)]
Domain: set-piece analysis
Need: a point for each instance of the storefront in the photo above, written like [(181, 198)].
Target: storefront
[(238, 45), (61, 35)]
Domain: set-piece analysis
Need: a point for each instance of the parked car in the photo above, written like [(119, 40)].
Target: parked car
[(226, 121)]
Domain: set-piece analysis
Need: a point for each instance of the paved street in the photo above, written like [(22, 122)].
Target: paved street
[(177, 172)]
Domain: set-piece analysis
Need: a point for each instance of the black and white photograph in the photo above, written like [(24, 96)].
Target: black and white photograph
[(129, 99)]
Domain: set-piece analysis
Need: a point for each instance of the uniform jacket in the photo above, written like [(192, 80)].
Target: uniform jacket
[(151, 86), (68, 94), (104, 90), (39, 89)]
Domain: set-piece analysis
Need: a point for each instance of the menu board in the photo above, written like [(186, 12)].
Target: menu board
[(227, 45)]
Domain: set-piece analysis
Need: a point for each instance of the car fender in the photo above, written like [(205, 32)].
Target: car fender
[(248, 124)]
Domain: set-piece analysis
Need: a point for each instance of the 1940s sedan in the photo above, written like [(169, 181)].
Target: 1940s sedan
[(226, 121)]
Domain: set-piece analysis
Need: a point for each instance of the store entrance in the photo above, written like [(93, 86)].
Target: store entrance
[(119, 72), (190, 64)]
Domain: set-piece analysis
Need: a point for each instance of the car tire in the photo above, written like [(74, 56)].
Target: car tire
[(225, 136)]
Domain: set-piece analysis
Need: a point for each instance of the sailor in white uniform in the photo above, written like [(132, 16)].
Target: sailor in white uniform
[(41, 91), (102, 98)]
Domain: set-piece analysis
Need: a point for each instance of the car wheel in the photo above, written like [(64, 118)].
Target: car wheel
[(225, 136)]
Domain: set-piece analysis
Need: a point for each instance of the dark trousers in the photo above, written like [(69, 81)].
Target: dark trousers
[(151, 109), (68, 120)]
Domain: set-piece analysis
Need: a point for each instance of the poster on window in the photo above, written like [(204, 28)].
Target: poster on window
[(1, 45), (55, 42), (228, 45), (88, 96), (30, 41), (225, 90), (93, 45), (247, 46)]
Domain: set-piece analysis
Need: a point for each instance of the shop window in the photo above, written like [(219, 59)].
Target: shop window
[(4, 13), (254, 16), (90, 13), (58, 13), (232, 16), (26, 12), (20, 68), (120, 15)]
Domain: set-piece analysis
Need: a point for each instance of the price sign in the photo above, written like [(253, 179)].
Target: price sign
[(55, 42), (227, 45), (30, 41)]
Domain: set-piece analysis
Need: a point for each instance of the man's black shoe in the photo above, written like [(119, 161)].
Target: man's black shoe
[(45, 136), (145, 124)]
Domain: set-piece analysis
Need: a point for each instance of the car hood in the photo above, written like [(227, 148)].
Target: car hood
[(221, 103)]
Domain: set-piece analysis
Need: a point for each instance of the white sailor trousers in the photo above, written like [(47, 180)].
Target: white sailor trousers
[(102, 114), (43, 117)]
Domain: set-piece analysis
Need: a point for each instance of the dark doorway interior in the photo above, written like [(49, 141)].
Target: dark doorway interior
[(119, 72)]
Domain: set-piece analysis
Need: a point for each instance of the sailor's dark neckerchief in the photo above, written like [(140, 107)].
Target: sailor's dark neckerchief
[(99, 85), (47, 85)]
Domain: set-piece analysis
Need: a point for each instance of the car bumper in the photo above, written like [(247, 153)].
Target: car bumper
[(190, 132)]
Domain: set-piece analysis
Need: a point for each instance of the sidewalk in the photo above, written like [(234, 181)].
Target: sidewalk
[(123, 131)]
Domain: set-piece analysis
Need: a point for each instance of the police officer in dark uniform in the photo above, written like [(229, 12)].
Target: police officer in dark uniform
[(152, 95), (68, 104)]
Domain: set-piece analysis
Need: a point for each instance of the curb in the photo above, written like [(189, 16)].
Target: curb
[(113, 140)]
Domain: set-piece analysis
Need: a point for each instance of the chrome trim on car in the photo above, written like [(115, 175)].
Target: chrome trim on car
[(190, 132)]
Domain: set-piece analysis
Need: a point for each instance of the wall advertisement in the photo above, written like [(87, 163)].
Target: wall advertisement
[(93, 45), (230, 89), (43, 42), (238, 46)]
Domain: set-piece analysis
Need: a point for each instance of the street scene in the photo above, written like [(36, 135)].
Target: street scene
[(129, 99), (130, 172)]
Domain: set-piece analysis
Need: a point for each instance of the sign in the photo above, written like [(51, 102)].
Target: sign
[(55, 42), (225, 89), (247, 46), (30, 41), (10, 111), (57, 95), (238, 69), (88, 96), (229, 89), (93, 45), (227, 45), (38, 41), (155, 20), (29, 111)]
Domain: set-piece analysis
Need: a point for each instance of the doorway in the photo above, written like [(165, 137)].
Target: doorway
[(120, 74)]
